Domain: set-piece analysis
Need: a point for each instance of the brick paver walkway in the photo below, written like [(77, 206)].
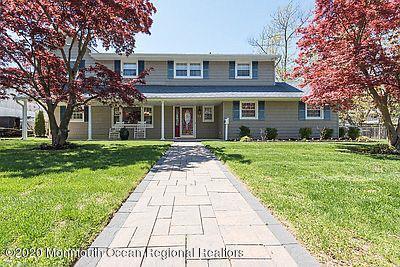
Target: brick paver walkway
[(190, 211)]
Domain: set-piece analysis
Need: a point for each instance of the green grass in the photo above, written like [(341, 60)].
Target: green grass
[(63, 199), (343, 206)]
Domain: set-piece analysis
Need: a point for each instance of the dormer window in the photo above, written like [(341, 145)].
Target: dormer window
[(243, 70), (188, 70), (130, 70)]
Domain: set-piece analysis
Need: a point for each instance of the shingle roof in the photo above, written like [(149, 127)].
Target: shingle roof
[(279, 90), (180, 56)]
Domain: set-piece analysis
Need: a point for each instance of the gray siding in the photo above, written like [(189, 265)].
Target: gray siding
[(77, 130), (108, 63), (218, 74), (169, 127), (282, 115), (208, 130), (74, 53), (101, 122), (155, 132)]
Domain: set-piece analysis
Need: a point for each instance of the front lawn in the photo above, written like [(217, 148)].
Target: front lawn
[(343, 206), (63, 199)]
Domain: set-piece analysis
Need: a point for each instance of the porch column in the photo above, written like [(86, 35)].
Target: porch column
[(25, 120), (162, 121), (90, 122)]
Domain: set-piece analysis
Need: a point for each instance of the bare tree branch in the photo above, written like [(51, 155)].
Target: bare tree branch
[(280, 35)]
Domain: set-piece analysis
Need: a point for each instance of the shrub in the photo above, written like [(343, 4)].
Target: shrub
[(326, 133), (124, 134), (271, 133), (364, 139), (379, 149), (305, 133), (383, 149), (342, 132), (353, 133), (245, 139), (9, 132), (40, 128), (244, 131)]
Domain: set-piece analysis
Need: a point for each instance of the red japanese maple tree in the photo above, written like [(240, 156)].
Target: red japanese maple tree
[(37, 61), (351, 48)]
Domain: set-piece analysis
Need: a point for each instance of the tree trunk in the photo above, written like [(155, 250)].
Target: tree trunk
[(395, 137), (382, 104), (59, 138), (59, 134), (393, 131)]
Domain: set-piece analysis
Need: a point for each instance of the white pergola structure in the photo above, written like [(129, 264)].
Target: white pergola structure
[(24, 105)]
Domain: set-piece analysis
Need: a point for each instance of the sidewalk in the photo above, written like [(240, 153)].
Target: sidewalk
[(192, 211)]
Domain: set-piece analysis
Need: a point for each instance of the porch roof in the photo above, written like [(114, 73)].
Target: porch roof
[(279, 90)]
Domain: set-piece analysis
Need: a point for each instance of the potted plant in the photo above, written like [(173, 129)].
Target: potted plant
[(124, 134)]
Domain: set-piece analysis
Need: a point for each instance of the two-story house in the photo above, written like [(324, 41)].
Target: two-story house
[(203, 96)]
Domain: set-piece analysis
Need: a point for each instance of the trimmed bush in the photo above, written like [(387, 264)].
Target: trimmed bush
[(305, 133), (364, 139), (244, 131), (342, 132), (271, 133), (124, 134), (353, 133), (326, 133), (379, 149), (246, 139), (40, 128)]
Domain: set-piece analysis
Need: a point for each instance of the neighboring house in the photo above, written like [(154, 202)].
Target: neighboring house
[(191, 95), (11, 113)]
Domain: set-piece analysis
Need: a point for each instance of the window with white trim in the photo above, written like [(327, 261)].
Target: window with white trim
[(195, 70), (188, 70), (248, 110), (243, 70), (133, 115), (314, 113), (208, 113), (130, 70), (77, 116), (181, 70)]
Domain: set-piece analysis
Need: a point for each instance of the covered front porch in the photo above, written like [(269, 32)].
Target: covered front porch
[(169, 119)]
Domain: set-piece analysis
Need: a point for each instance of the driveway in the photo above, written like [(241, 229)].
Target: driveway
[(191, 211)]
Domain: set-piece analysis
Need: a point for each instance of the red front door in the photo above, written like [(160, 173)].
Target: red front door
[(187, 122)]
